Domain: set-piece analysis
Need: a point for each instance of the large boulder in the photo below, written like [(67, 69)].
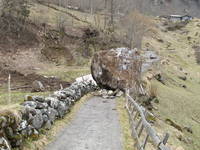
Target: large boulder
[(37, 86), (111, 69)]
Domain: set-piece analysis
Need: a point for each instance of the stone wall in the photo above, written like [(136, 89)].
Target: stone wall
[(39, 112)]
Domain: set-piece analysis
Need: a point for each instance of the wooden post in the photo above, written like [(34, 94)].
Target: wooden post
[(140, 132), (133, 109), (9, 89), (138, 124), (165, 139), (136, 114), (145, 141)]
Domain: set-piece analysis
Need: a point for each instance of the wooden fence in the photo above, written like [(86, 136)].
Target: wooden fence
[(142, 130)]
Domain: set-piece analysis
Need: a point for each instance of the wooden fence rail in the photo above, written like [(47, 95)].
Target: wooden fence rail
[(139, 124)]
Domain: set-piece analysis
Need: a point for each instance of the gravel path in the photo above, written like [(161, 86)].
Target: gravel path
[(95, 127)]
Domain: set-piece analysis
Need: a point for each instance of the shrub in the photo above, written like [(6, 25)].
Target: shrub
[(136, 26)]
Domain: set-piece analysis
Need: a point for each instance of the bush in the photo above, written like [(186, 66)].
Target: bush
[(16, 8), (14, 15)]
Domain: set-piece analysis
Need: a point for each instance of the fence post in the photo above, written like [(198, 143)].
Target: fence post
[(143, 125), (9, 89), (145, 142), (165, 139)]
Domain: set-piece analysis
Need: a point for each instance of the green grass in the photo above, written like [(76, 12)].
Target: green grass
[(125, 125), (17, 97), (68, 73)]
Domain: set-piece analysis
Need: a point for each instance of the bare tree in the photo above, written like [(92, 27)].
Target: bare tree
[(105, 12), (14, 16), (91, 6), (136, 26), (112, 11)]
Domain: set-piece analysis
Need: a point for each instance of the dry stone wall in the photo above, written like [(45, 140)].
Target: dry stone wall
[(40, 113)]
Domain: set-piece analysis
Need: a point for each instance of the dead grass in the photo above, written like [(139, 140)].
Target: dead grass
[(48, 136), (42, 14), (66, 73), (175, 102), (125, 125)]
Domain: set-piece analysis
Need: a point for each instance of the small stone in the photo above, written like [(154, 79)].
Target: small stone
[(39, 98), (41, 105), (9, 132), (3, 122), (30, 104), (31, 111), (110, 92), (45, 118), (52, 102), (52, 114), (37, 121), (22, 125), (120, 93), (47, 125), (4, 144), (62, 108), (35, 134), (156, 100), (28, 98)]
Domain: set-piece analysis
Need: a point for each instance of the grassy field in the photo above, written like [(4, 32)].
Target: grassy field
[(177, 103), (66, 73), (17, 97)]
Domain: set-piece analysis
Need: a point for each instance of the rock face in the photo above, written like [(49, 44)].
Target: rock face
[(111, 69)]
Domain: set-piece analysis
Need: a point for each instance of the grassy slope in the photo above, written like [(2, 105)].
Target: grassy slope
[(66, 73), (43, 14), (177, 103), (40, 14)]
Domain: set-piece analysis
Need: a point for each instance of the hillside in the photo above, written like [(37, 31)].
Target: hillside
[(179, 95), (57, 43), (46, 50)]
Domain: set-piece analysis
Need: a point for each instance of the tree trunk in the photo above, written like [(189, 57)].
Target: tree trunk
[(112, 14), (91, 6)]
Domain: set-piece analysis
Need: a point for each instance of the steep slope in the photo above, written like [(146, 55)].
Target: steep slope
[(179, 98)]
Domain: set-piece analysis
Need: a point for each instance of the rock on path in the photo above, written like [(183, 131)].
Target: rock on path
[(95, 127)]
